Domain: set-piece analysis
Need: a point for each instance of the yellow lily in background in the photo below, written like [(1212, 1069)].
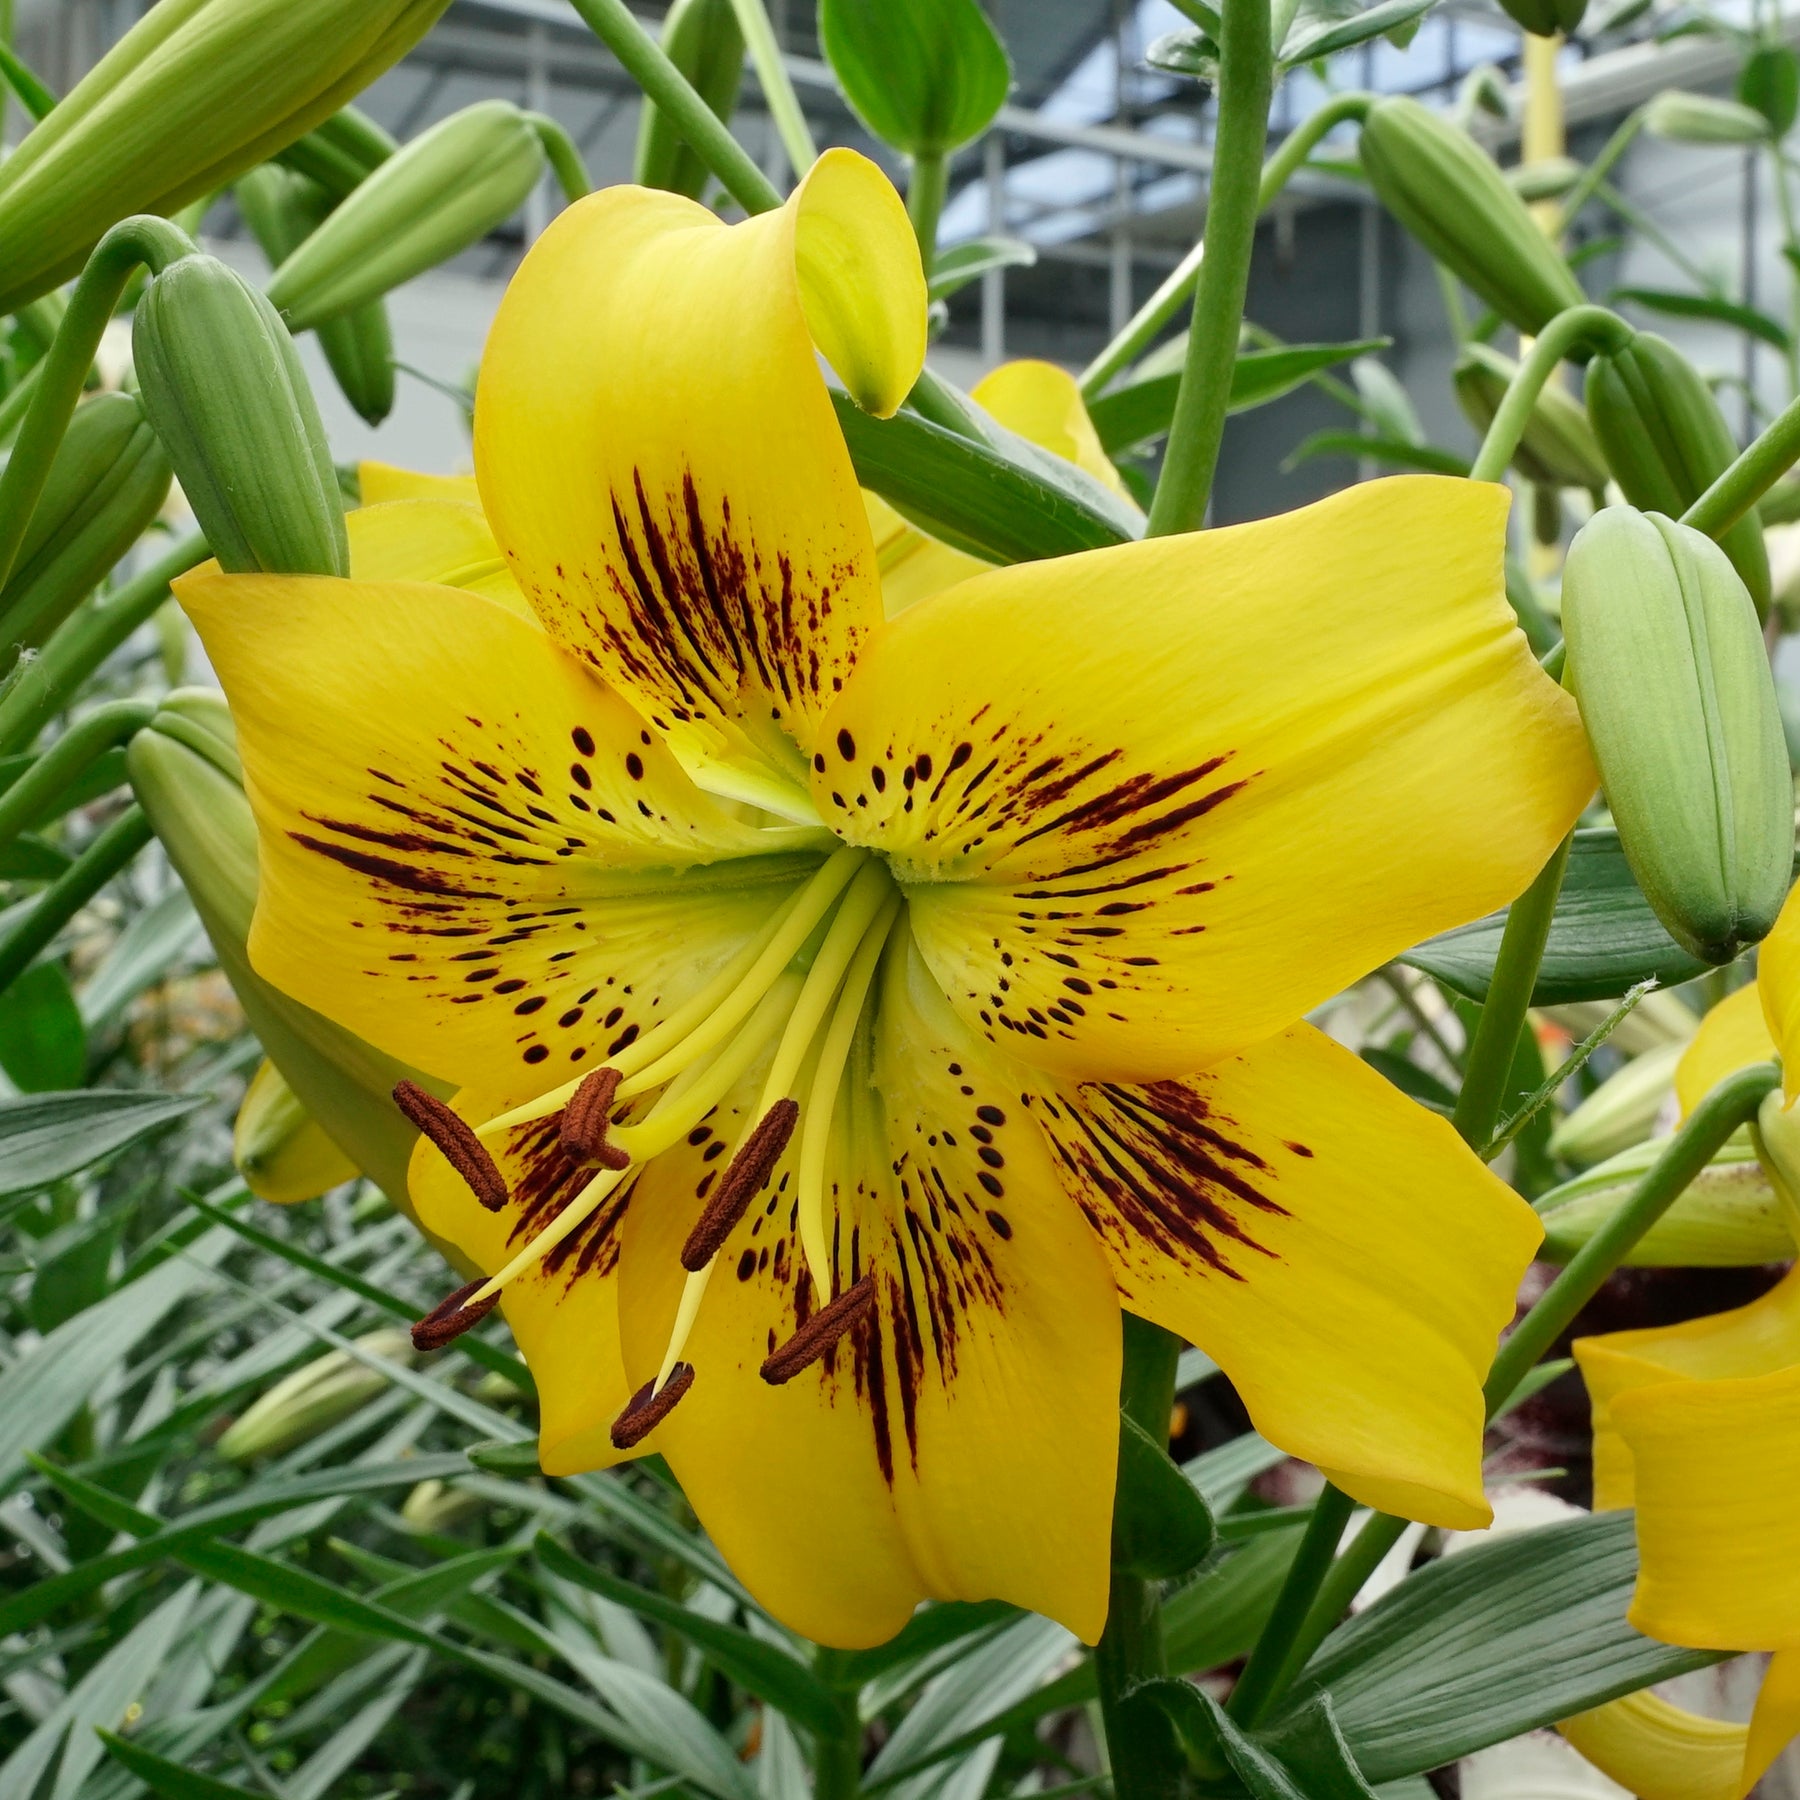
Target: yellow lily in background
[(1697, 1425), (850, 1017)]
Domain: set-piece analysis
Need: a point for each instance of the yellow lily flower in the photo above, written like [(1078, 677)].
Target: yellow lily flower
[(1697, 1425), (850, 1017)]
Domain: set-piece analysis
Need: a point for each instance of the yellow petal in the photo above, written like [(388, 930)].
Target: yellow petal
[(659, 457), (1778, 981), (383, 481), (1749, 1341), (436, 540), (1716, 1466), (1154, 802), (1660, 1751), (564, 1312), (962, 1442), (913, 566), (1335, 1247), (466, 843), (1731, 1037), (1042, 402)]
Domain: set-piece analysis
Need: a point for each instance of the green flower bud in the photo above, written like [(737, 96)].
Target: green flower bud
[(1702, 119), (223, 386), (109, 479), (1558, 448), (444, 191), (1666, 661), (1730, 1215), (1667, 442), (1545, 18), (435, 1506), (314, 1398), (1444, 188), (280, 1149), (183, 768), (701, 38), (340, 152), (196, 92), (1623, 1110), (282, 209), (1776, 1136)]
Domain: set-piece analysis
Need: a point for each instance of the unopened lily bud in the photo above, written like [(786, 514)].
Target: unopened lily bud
[(1666, 442), (701, 38), (1704, 119), (436, 1506), (108, 481), (196, 92), (444, 191), (1666, 661), (313, 1399), (282, 209), (1545, 18), (183, 771), (223, 386), (1777, 1140), (1557, 448), (1445, 189), (340, 152), (280, 1149), (1623, 1110), (1730, 1215)]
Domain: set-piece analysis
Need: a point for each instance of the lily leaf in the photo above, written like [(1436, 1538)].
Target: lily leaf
[(43, 1044), (169, 1779), (1136, 414), (1312, 39), (1604, 939), (1482, 1646), (1707, 306), (962, 263), (1185, 51), (44, 1138), (1162, 1528), (1397, 453), (974, 498)]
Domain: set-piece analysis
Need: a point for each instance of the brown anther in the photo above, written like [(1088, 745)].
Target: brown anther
[(819, 1333), (452, 1316), (585, 1119), (649, 1406), (456, 1142), (750, 1168)]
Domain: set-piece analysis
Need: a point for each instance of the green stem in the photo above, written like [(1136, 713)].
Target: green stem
[(1790, 233), (1246, 85), (1166, 302), (564, 159), (1260, 1681), (1596, 172), (1496, 1039), (778, 90), (12, 408), (925, 190), (29, 797), (1750, 477), (1131, 1647), (614, 24), (63, 371), (41, 686), (71, 891), (837, 1763), (1732, 1103), (1567, 332)]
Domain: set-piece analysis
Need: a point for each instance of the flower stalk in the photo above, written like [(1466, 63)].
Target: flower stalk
[(1246, 86), (1751, 476), (110, 852)]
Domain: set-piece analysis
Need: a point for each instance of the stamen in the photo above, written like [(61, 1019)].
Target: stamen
[(819, 1333), (828, 1076), (586, 1118), (649, 1406), (575, 1214), (451, 1317), (744, 1179), (456, 1143)]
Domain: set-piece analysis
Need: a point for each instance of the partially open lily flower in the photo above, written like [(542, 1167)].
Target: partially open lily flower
[(850, 1015), (1697, 1426)]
